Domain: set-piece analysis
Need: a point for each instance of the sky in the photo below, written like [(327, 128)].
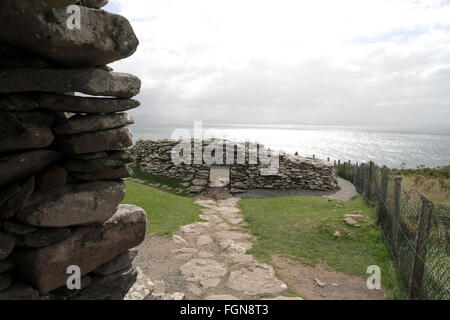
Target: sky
[(348, 62)]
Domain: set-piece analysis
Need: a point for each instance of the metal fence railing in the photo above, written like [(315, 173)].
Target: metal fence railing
[(415, 230)]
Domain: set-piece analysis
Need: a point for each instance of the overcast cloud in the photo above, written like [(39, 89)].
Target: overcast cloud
[(290, 61)]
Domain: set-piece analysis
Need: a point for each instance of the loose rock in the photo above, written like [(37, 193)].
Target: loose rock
[(202, 269)]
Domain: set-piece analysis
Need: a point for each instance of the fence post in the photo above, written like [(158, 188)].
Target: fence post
[(344, 170), (370, 182), (363, 179), (355, 174), (396, 217), (339, 168), (383, 195), (420, 252)]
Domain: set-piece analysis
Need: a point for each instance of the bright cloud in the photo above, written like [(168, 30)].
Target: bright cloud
[(290, 61)]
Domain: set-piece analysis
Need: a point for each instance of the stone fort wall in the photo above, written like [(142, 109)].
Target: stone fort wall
[(155, 156)]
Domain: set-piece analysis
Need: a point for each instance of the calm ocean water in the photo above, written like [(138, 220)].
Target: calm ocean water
[(394, 147)]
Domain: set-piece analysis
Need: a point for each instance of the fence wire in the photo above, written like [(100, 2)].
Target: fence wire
[(400, 230)]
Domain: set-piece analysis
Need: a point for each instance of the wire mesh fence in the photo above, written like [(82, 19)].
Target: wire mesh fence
[(415, 230)]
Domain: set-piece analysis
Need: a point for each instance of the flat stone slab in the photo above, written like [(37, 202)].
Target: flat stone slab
[(203, 269), (105, 37), (18, 201), (78, 104), (196, 228), (111, 160), (105, 174), (177, 296), (43, 237), (19, 291), (25, 130), (231, 235), (17, 102), (206, 203), (114, 139), (210, 218), (204, 240), (222, 297), (256, 279), (88, 247), (22, 165), (73, 205), (7, 243), (92, 81), (95, 122), (210, 283), (235, 246), (121, 262)]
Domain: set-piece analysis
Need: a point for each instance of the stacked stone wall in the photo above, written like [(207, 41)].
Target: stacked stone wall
[(63, 155), (294, 172)]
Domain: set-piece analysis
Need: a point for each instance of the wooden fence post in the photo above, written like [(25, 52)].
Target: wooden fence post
[(370, 182), (396, 217), (339, 168), (355, 174), (420, 252), (382, 209), (362, 184)]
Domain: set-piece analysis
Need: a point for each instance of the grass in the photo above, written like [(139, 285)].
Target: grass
[(154, 179), (434, 183), (166, 212), (302, 227)]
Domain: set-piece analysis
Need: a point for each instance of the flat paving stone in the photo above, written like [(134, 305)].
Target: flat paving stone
[(196, 228), (222, 297), (256, 279), (202, 269), (232, 235), (204, 240)]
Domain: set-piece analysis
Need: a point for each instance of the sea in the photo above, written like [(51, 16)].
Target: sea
[(395, 147)]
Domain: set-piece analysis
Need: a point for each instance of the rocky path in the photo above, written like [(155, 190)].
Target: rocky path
[(208, 260)]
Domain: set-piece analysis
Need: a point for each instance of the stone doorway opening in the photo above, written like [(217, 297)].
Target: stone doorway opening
[(219, 176)]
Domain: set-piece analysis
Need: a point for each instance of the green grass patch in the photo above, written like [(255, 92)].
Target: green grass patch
[(166, 212), (302, 227), (154, 179)]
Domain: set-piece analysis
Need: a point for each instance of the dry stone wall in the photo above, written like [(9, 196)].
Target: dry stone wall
[(155, 156), (63, 155)]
